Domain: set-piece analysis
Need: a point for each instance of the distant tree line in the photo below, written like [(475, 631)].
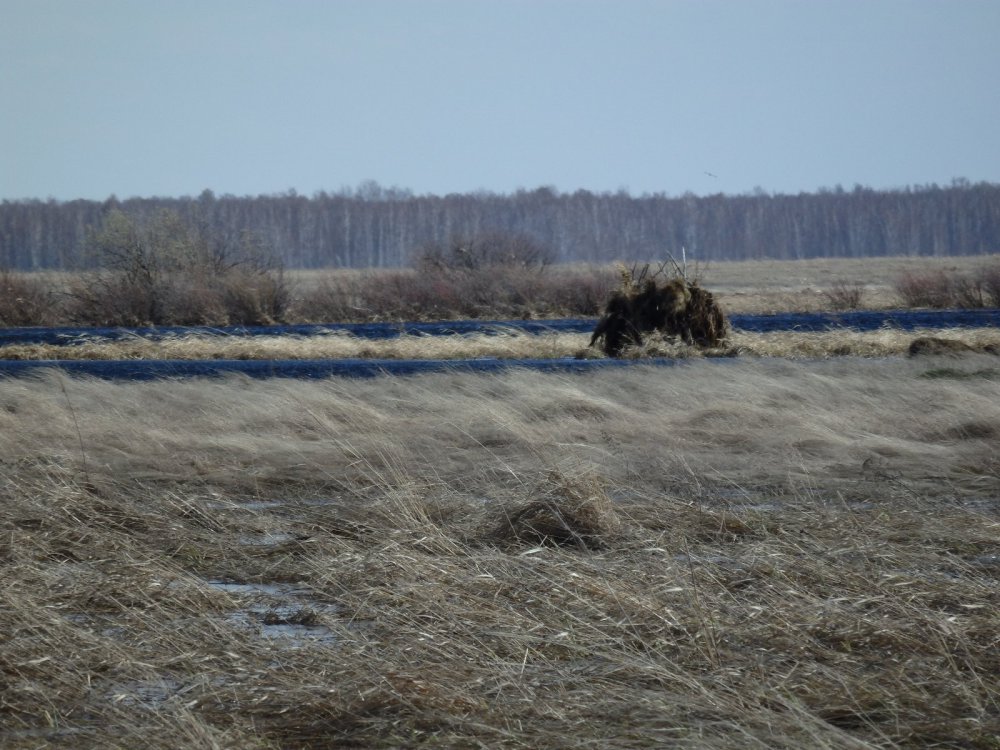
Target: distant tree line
[(372, 226)]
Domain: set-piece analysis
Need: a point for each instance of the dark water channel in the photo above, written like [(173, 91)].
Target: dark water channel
[(865, 320), (365, 368)]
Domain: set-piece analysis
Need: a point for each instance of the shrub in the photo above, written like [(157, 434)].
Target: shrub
[(931, 289), (24, 300), (485, 275), (334, 299), (843, 295), (989, 281), (967, 292), (583, 292), (166, 272), (410, 294), (403, 294)]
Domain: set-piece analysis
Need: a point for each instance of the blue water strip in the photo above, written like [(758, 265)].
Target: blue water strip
[(153, 369), (866, 320)]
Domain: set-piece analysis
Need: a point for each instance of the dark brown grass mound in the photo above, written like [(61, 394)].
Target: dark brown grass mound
[(932, 345), (573, 512), (704, 319), (677, 308)]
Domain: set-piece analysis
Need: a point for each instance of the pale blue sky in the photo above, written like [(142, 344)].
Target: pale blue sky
[(169, 97)]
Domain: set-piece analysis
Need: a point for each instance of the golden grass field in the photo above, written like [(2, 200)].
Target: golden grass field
[(790, 548)]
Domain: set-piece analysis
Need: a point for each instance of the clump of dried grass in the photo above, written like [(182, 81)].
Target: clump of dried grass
[(675, 308), (935, 345), (570, 511)]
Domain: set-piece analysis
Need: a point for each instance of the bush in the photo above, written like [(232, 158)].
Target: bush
[(484, 275), (166, 272), (931, 289), (24, 300), (989, 280), (843, 295), (939, 289), (967, 292), (409, 294)]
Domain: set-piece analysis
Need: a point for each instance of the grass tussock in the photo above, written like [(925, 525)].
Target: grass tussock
[(572, 511), (770, 554), (670, 308)]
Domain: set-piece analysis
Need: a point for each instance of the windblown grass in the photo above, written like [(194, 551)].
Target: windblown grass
[(509, 344), (763, 554)]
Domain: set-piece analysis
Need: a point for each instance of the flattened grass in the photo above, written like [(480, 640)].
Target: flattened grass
[(778, 554)]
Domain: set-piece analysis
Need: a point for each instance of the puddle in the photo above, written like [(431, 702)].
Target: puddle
[(267, 539), (273, 504), (294, 625), (279, 611), (146, 694), (275, 590), (983, 504), (99, 625)]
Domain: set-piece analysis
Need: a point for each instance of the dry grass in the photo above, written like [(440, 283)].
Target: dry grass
[(767, 286), (509, 344), (323, 296), (761, 554)]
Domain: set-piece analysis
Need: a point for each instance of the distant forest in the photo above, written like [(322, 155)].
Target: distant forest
[(372, 226)]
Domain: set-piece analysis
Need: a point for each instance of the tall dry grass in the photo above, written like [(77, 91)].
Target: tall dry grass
[(761, 554)]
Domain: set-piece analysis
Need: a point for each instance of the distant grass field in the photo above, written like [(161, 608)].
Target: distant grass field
[(770, 554)]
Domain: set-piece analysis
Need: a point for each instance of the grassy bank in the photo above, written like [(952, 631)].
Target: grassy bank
[(770, 554), (510, 344)]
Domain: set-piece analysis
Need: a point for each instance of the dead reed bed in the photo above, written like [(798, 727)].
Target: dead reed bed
[(760, 554), (505, 344)]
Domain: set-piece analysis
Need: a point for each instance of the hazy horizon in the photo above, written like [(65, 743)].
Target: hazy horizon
[(255, 97)]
